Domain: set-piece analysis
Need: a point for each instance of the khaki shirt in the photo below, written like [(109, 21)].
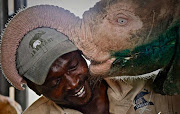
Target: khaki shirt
[(137, 97), (46, 106), (132, 97)]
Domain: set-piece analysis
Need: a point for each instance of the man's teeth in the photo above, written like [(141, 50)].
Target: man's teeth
[(80, 91)]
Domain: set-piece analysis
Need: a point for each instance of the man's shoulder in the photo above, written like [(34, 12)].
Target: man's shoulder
[(46, 106), (41, 103)]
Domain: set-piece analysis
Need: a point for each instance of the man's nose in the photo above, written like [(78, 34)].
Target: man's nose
[(71, 82)]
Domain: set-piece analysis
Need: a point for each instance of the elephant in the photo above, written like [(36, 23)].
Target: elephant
[(119, 37), (142, 36), (129, 28)]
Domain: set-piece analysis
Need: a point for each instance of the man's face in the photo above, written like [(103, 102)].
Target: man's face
[(66, 83)]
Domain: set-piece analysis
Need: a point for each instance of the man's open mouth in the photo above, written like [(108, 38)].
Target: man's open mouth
[(80, 92)]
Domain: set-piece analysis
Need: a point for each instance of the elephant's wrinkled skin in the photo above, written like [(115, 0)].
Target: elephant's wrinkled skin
[(142, 36), (127, 28)]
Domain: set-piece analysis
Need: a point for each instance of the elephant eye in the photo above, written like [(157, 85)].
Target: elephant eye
[(122, 21)]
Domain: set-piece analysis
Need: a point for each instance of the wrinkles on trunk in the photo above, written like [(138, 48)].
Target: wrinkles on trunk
[(81, 35)]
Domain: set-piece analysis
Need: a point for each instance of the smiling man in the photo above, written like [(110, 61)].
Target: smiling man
[(57, 71), (50, 63)]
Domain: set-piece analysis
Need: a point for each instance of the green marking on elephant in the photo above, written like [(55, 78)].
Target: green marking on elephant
[(164, 53), (157, 52)]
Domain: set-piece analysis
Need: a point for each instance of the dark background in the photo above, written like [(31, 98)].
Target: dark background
[(20, 96)]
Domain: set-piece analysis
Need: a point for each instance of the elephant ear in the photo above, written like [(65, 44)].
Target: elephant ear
[(24, 21), (168, 80)]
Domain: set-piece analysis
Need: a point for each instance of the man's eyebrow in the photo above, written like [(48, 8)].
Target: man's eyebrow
[(49, 80), (51, 77)]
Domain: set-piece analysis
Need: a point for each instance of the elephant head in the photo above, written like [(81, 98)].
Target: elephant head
[(143, 36), (134, 32)]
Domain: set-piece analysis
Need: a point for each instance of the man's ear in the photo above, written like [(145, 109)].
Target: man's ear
[(32, 86)]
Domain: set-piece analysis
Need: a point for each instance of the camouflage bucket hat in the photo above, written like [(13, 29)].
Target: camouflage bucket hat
[(38, 50)]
